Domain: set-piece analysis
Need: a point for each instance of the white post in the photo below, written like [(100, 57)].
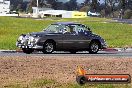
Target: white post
[(37, 3), (37, 8)]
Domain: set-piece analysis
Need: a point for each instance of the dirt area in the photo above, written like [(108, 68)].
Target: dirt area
[(59, 68)]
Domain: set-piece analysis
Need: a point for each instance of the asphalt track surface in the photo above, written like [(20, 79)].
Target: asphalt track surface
[(128, 21), (100, 53)]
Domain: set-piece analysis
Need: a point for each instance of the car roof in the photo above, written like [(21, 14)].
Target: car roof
[(67, 23)]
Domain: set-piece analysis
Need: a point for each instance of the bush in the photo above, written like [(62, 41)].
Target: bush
[(102, 13), (85, 9), (128, 14), (116, 14)]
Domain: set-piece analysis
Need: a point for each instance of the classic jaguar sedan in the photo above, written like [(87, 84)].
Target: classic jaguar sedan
[(62, 36)]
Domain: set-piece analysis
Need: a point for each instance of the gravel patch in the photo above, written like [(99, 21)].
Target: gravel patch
[(59, 68)]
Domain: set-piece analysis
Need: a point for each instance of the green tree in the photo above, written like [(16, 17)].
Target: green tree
[(94, 5), (11, 7), (86, 2), (19, 8), (15, 3), (110, 7)]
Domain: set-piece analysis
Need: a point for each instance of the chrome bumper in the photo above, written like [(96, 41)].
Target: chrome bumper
[(28, 46)]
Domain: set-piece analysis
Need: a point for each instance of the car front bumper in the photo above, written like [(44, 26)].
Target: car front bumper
[(31, 46)]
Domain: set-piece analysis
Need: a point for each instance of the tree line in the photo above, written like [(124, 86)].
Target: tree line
[(109, 8)]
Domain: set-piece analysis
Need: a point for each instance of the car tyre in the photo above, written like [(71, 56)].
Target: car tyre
[(48, 48), (27, 50), (93, 47)]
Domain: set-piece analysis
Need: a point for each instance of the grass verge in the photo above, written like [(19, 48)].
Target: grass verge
[(44, 83)]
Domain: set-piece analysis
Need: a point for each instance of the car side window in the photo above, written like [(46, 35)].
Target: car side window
[(80, 29), (60, 28), (55, 28), (70, 29), (52, 28)]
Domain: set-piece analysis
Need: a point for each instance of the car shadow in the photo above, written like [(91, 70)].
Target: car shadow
[(78, 53)]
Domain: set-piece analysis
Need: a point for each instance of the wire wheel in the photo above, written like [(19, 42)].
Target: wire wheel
[(48, 47), (94, 47)]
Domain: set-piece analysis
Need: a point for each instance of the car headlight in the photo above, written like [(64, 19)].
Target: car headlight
[(32, 39), (20, 38)]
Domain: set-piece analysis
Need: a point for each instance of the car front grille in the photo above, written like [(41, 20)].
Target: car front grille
[(25, 42)]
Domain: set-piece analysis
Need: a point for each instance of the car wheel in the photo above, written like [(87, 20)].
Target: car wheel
[(27, 50), (48, 47), (93, 47), (81, 80)]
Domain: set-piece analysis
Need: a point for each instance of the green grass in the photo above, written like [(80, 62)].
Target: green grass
[(11, 28), (116, 34), (41, 83), (44, 83)]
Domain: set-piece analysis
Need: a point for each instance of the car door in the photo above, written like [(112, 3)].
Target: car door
[(70, 38), (54, 32), (69, 41), (83, 37)]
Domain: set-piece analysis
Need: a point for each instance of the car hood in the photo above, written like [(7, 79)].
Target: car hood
[(37, 33), (42, 33)]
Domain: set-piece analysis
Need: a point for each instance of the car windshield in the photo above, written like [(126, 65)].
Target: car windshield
[(55, 28)]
